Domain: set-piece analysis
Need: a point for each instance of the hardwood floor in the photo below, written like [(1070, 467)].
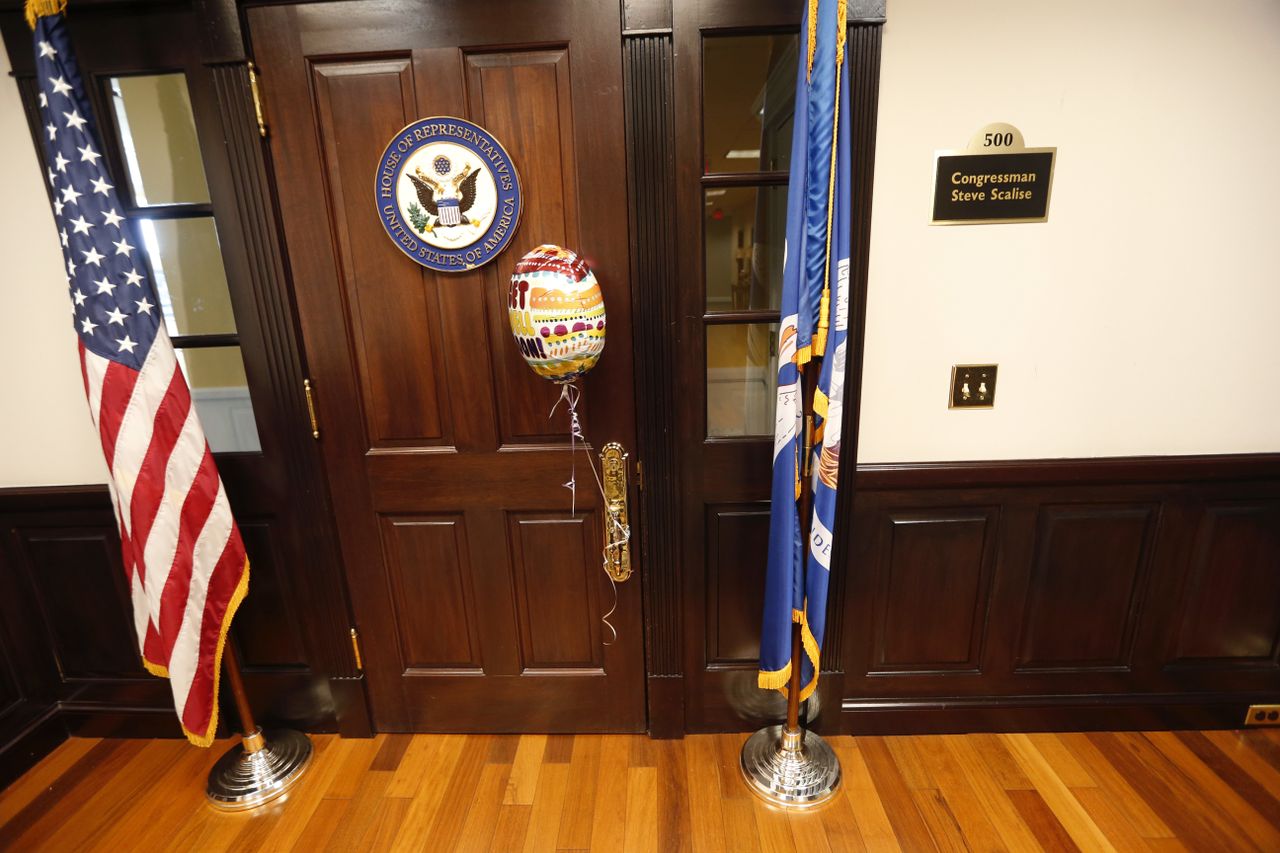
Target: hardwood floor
[(1159, 791)]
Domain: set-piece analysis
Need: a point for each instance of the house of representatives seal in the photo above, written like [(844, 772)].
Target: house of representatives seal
[(448, 194)]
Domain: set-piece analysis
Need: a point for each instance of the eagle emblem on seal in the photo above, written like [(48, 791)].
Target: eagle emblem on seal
[(448, 199)]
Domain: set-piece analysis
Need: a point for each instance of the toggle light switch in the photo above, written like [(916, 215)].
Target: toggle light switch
[(973, 386)]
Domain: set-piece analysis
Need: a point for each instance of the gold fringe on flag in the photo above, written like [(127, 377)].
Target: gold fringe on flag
[(813, 39), (43, 9), (824, 311)]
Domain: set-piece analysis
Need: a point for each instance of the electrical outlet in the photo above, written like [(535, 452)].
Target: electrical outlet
[(1263, 715), (973, 386)]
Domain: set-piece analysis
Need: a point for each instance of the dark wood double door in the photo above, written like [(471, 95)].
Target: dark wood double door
[(477, 587)]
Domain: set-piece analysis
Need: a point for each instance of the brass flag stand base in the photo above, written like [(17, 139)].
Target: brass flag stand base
[(262, 766), (785, 765)]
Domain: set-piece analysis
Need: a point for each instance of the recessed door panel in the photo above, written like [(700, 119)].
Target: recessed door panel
[(428, 567), (394, 310), (555, 583), (523, 98), (737, 551)]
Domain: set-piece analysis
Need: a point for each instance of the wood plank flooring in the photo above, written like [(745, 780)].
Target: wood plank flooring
[(1158, 791)]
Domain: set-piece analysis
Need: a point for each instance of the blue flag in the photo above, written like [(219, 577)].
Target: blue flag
[(812, 336)]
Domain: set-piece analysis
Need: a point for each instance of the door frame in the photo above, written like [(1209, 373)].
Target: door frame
[(663, 69), (363, 486)]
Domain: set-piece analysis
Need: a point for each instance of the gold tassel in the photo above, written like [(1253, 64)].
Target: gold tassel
[(813, 38), (43, 9), (824, 306)]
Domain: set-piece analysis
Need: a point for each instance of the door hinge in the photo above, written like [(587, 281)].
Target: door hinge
[(311, 409), (639, 476), (257, 100), (355, 649)]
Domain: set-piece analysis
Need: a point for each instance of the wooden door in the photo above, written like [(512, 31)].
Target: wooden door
[(478, 589)]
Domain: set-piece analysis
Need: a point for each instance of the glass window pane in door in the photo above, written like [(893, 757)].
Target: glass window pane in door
[(192, 283), (220, 392), (742, 378), (744, 233), (748, 98), (158, 138)]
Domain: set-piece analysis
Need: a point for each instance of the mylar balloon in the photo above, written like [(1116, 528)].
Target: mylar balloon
[(557, 313)]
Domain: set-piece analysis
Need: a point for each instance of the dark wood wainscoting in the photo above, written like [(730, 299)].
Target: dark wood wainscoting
[(69, 662), (1073, 594)]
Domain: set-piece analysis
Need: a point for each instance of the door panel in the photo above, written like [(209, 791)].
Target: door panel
[(400, 406), (476, 578), (429, 574), (544, 586), (523, 99)]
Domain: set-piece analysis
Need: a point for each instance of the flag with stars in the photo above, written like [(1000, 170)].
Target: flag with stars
[(183, 556)]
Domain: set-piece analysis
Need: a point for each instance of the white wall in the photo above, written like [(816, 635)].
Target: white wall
[(1144, 316), (46, 437)]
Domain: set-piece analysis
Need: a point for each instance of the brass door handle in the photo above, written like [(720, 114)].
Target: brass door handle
[(617, 518)]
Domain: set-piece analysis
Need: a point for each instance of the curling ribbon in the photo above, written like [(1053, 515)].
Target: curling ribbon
[(619, 533)]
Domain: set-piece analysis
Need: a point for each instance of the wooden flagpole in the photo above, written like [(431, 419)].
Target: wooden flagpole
[(785, 765), (808, 384)]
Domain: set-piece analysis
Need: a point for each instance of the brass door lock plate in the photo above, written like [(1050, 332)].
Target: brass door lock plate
[(617, 515), (973, 386)]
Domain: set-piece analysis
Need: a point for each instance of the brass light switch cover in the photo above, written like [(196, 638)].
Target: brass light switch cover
[(973, 386)]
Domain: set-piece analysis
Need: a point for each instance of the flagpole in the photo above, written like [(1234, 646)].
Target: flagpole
[(785, 765), (264, 765), (808, 384)]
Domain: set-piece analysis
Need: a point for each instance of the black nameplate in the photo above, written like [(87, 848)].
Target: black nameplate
[(1010, 187)]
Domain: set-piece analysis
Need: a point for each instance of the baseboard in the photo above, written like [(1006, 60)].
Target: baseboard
[(1119, 712), (38, 738), (97, 720), (666, 706)]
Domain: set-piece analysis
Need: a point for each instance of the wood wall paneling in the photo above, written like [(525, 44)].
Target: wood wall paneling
[(1086, 587), (935, 580), (67, 597), (266, 625), (81, 591), (1231, 609), (1133, 593)]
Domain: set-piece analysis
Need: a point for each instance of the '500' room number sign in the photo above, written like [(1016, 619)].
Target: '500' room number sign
[(995, 179)]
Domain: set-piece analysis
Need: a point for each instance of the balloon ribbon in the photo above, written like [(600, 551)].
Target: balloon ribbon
[(619, 533)]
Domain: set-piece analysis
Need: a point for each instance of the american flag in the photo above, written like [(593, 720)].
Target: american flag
[(183, 555)]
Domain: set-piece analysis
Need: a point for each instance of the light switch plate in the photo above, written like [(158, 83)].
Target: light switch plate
[(973, 386)]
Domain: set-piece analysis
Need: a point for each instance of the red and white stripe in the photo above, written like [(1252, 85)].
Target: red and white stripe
[(182, 551)]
